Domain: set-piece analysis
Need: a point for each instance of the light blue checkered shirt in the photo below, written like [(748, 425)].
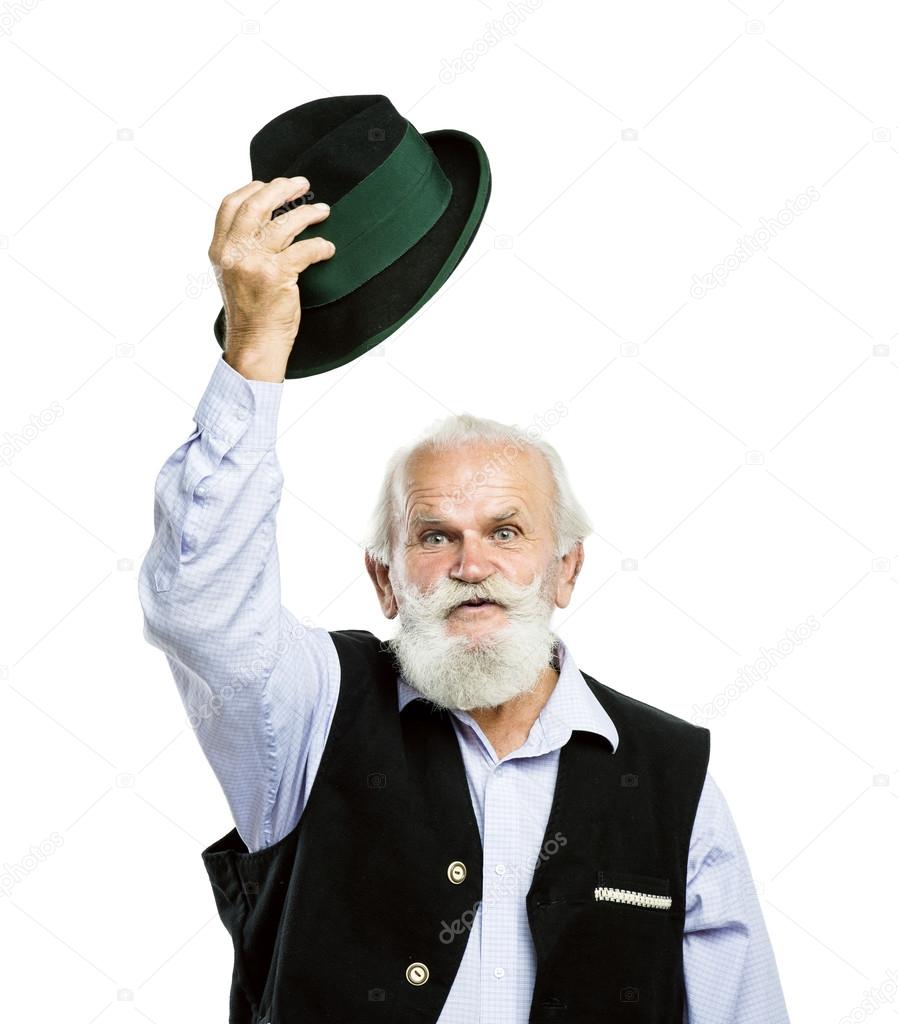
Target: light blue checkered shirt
[(260, 688)]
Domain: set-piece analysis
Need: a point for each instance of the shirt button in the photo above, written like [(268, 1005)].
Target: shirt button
[(201, 490), (499, 972), (500, 869), (242, 413)]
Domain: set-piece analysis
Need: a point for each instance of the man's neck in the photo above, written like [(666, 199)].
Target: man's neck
[(508, 725)]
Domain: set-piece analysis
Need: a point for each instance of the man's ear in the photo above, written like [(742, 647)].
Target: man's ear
[(569, 569), (380, 577)]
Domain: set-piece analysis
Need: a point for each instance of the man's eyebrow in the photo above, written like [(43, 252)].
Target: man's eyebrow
[(424, 520)]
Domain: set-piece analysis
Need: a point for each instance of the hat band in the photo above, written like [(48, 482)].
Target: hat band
[(377, 221)]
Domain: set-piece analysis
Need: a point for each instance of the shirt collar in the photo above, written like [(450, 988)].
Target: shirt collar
[(571, 704)]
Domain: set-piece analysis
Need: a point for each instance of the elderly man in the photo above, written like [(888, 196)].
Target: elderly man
[(456, 824)]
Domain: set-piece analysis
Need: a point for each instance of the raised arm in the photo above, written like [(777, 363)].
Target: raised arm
[(259, 686)]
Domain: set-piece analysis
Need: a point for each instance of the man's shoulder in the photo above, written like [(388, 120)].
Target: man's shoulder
[(625, 707), (362, 654), (358, 641), (355, 635)]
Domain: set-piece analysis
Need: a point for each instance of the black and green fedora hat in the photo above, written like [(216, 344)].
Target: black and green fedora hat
[(405, 206)]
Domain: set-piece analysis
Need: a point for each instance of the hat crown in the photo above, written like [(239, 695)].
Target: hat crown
[(335, 141)]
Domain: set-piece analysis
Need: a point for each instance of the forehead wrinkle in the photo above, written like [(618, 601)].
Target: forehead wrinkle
[(511, 497), (439, 491), (526, 475), (419, 519)]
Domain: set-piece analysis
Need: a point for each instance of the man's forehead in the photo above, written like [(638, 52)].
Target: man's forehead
[(515, 470), (438, 516), (498, 488)]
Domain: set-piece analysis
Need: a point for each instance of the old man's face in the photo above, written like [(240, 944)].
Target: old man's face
[(476, 527), (492, 526)]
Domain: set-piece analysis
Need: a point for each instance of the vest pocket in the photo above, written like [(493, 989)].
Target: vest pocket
[(644, 892)]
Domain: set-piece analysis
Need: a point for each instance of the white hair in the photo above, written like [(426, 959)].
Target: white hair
[(567, 517)]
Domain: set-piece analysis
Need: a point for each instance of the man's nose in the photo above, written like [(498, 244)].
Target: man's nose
[(473, 564)]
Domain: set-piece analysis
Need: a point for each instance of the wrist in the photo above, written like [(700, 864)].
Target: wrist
[(258, 363)]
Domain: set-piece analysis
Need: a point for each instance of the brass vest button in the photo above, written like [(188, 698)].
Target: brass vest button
[(417, 973), (457, 872)]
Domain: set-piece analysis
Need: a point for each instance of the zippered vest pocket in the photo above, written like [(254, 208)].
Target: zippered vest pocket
[(646, 891)]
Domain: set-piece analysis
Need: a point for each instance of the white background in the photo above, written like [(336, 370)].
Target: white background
[(736, 449)]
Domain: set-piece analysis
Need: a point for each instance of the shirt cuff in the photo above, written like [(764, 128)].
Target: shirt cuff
[(242, 412)]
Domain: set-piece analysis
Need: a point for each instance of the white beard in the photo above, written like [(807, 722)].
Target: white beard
[(454, 671)]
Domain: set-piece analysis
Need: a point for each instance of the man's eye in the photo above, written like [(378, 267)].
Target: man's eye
[(427, 536), (436, 533)]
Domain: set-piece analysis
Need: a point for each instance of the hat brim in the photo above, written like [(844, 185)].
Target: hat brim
[(338, 332)]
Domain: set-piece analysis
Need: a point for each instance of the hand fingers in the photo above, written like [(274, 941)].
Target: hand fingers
[(226, 210), (277, 234), (253, 214), (303, 254)]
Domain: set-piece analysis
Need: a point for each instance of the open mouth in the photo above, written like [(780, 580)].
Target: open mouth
[(476, 603)]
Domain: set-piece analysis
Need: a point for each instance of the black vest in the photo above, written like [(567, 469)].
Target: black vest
[(362, 912)]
